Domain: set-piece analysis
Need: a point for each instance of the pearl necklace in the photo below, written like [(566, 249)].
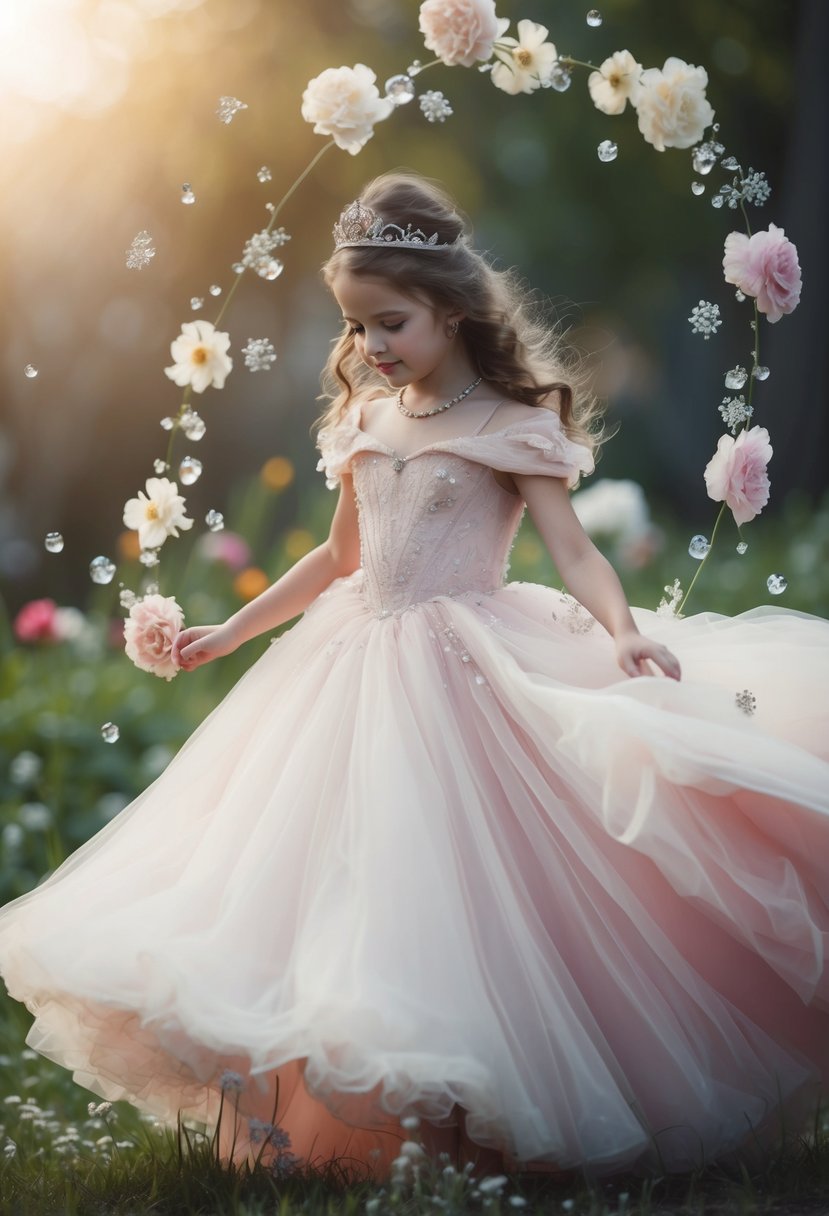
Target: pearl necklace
[(438, 408)]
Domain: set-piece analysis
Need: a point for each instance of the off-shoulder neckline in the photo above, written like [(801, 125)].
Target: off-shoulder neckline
[(439, 443)]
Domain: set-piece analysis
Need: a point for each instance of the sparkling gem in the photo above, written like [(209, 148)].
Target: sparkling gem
[(607, 150), (594, 18), (731, 163), (736, 378), (259, 354), (697, 187), (414, 67), (193, 425), (30, 371), (739, 296), (187, 195), (270, 269), (397, 464), (215, 289), (264, 174), (214, 520), (717, 201), (703, 158), (167, 423), (715, 127), (189, 470), (196, 302), (698, 547), (101, 570), (110, 732), (400, 89), (760, 373), (742, 547), (148, 557), (140, 252), (777, 583), (53, 542), (560, 78), (228, 108)]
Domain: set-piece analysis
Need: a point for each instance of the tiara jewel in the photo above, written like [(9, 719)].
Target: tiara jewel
[(360, 225)]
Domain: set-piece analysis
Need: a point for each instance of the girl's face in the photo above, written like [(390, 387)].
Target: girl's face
[(403, 339)]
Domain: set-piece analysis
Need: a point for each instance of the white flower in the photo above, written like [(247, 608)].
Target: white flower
[(200, 354), (672, 106), (525, 62), (460, 31), (156, 514), (612, 507), (615, 83), (345, 104)]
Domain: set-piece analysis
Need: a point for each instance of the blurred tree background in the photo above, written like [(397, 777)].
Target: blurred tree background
[(110, 106)]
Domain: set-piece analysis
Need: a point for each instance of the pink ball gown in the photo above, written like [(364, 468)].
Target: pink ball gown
[(435, 854)]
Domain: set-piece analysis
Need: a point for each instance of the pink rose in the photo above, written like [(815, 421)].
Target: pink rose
[(150, 630), (460, 31), (736, 473), (37, 622), (764, 266)]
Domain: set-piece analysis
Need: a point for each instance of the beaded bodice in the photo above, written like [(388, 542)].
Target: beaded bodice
[(438, 522)]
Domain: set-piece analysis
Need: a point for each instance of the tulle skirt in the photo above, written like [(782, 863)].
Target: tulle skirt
[(454, 863)]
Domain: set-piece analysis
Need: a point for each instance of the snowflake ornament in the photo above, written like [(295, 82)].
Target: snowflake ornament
[(434, 106), (140, 252), (734, 411), (705, 319), (229, 107), (259, 354)]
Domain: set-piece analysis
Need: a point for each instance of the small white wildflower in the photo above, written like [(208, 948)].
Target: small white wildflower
[(670, 601), (10, 1149), (517, 1201), (35, 816), (705, 318), (24, 768), (496, 1183), (411, 1149), (434, 106), (372, 1205), (568, 1205), (411, 1123)]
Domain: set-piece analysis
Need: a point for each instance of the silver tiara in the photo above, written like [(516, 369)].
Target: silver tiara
[(360, 225)]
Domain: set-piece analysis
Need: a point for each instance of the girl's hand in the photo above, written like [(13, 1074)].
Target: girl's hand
[(633, 651), (201, 643)]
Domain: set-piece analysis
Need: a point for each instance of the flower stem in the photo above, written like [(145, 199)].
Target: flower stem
[(684, 599), (578, 63)]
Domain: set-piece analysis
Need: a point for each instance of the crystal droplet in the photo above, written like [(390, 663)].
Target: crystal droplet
[(193, 425), (167, 424), (560, 78), (214, 520), (731, 163), (698, 188), (759, 372), (777, 583), (269, 268), (53, 542), (703, 158), (400, 89), (187, 195), (698, 547), (30, 371), (148, 557), (715, 127), (270, 207), (196, 302), (594, 18), (159, 467), (101, 570), (414, 68), (742, 547), (739, 296), (215, 289), (607, 150), (238, 268), (189, 470), (264, 174), (717, 201), (110, 732), (736, 378)]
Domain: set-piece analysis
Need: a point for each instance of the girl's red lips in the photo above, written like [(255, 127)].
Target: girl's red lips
[(386, 366)]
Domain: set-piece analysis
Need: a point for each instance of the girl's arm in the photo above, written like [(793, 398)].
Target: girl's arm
[(290, 595), (588, 575)]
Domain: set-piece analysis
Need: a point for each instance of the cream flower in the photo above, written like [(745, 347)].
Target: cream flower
[(149, 633), (200, 354), (345, 104), (157, 514), (615, 83), (672, 107), (525, 62), (460, 31)]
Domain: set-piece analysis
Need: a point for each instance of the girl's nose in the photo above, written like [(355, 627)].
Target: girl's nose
[(375, 343)]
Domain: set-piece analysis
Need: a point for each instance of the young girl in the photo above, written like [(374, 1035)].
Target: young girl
[(437, 854)]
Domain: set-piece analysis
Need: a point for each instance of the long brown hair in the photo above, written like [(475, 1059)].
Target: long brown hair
[(506, 330)]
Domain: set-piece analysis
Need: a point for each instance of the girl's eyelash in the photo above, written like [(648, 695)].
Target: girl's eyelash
[(357, 329)]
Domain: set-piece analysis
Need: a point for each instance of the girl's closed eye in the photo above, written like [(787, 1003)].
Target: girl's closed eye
[(358, 329)]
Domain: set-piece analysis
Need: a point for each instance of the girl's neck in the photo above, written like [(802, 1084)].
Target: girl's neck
[(442, 384)]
